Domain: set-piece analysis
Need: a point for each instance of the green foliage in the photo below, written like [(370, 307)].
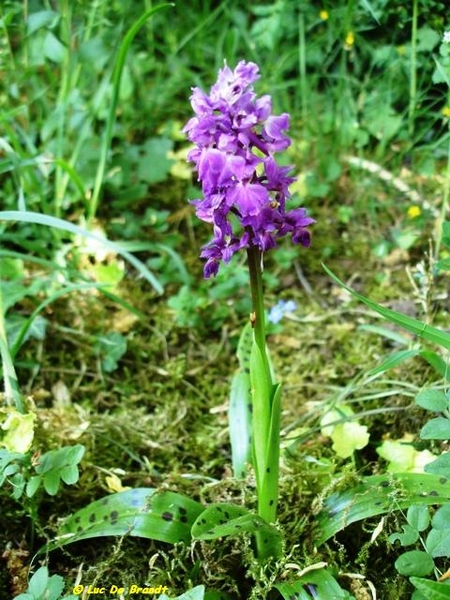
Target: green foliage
[(377, 495), (314, 584), (222, 520), (239, 412), (140, 512), (43, 586)]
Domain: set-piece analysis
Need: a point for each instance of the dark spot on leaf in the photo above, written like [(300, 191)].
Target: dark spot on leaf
[(167, 516), (265, 541), (222, 521), (136, 502), (105, 518), (114, 516), (79, 529), (378, 503), (311, 589), (182, 510), (271, 503), (433, 493), (227, 514), (203, 521), (92, 517), (219, 508), (443, 480), (183, 519), (246, 369), (384, 484), (268, 470), (237, 526), (77, 519), (104, 501)]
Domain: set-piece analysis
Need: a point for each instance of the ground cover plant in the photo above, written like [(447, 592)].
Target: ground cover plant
[(241, 417)]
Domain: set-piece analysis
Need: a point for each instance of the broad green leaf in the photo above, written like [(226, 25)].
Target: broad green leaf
[(239, 415), (441, 518), (319, 584), (432, 590), (434, 400), (414, 562), (42, 18), (436, 429), (427, 332), (418, 516), (197, 593), (376, 495), (440, 466), (141, 512), (39, 581), (240, 423), (409, 536), (223, 520), (438, 543)]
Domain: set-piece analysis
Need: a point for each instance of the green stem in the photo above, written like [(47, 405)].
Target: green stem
[(258, 321), (266, 404)]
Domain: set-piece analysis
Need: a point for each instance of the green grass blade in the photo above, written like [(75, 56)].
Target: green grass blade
[(376, 495), (427, 332), (110, 120), (140, 512), (28, 323), (47, 220)]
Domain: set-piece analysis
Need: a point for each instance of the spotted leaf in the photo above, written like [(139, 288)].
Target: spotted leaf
[(314, 584), (141, 512), (378, 495), (223, 520)]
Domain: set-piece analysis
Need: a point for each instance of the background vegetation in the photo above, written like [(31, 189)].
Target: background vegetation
[(132, 361)]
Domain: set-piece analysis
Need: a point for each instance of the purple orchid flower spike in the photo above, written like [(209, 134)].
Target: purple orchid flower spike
[(245, 190)]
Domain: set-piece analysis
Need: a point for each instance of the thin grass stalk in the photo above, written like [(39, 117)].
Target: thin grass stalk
[(445, 202), (413, 69), (111, 117), (302, 68)]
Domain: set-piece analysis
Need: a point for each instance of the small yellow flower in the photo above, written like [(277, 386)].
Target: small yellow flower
[(349, 40), (446, 111), (414, 211), (324, 15)]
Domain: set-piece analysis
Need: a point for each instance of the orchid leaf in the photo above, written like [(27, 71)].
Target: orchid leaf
[(314, 584), (378, 495), (140, 512), (240, 419), (223, 520)]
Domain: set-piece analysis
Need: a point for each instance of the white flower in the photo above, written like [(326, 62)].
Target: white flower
[(446, 37)]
